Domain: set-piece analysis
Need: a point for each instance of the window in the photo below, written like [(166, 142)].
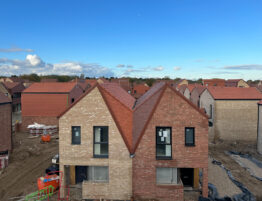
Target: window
[(163, 143), (76, 135), (190, 136), (135, 91), (167, 176), (211, 111), (72, 100), (97, 173), (101, 141)]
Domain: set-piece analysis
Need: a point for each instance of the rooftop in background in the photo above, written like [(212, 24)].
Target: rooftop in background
[(4, 99), (50, 87), (234, 93), (49, 80)]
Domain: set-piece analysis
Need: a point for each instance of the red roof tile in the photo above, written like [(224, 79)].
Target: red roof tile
[(235, 93), (50, 87), (119, 93), (4, 98)]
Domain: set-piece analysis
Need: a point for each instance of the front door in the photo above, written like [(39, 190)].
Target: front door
[(81, 174), (187, 176)]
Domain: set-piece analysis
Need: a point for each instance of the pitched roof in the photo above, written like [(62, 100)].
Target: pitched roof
[(119, 93), (10, 85), (50, 87), (234, 93), (4, 98), (200, 89), (182, 88), (232, 82), (14, 87)]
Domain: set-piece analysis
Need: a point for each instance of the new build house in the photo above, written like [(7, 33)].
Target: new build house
[(236, 83), (259, 130), (43, 102), (120, 148), (232, 112)]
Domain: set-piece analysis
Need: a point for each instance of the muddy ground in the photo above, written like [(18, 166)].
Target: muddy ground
[(217, 151), (28, 161)]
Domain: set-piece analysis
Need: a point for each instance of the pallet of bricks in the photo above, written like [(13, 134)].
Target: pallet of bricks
[(40, 129)]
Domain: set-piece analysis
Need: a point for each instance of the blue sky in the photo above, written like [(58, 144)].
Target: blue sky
[(139, 38)]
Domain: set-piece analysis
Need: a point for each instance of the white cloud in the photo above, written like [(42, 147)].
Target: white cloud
[(15, 49), (244, 67), (34, 60), (177, 68), (159, 68), (120, 65), (34, 64)]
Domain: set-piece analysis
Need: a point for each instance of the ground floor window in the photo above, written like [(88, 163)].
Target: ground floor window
[(91, 173), (167, 175)]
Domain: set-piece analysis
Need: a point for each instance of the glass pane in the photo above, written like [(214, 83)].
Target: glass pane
[(97, 134), (161, 150), (175, 176), (164, 175), (76, 135), (104, 134), (163, 136), (104, 149), (168, 150), (166, 134), (97, 149), (90, 173), (189, 136), (100, 173)]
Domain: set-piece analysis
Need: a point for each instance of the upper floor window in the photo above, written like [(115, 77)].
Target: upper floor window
[(163, 143), (190, 136), (76, 135), (101, 141)]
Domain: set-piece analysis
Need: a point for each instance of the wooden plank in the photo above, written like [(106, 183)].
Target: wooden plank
[(196, 178), (72, 175)]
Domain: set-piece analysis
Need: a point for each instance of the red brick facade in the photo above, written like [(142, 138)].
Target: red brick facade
[(5, 122), (172, 111)]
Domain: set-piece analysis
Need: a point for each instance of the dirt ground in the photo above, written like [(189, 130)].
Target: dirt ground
[(217, 151), (28, 161)]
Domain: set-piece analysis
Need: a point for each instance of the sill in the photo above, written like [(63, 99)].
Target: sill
[(190, 145), (75, 144), (96, 182), (164, 158), (100, 156)]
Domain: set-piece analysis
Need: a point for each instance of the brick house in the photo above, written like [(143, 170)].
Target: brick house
[(170, 137), (15, 89), (195, 94), (259, 130), (214, 82), (236, 83), (43, 102), (95, 142), (139, 89), (232, 112), (6, 124), (189, 89)]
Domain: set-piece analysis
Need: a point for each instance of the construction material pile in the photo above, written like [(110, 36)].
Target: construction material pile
[(39, 129)]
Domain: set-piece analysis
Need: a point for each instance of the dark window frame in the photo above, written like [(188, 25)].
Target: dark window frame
[(164, 157), (72, 135), (94, 143), (190, 144)]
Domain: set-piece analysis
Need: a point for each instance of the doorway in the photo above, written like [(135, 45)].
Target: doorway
[(187, 176)]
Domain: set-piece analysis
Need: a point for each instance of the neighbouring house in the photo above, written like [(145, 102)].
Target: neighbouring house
[(15, 89), (214, 82), (182, 88), (170, 137), (139, 89), (178, 83), (124, 83), (189, 89), (6, 129), (119, 148), (236, 83), (95, 142), (195, 94), (4, 90), (43, 102), (232, 112), (259, 130), (11, 79)]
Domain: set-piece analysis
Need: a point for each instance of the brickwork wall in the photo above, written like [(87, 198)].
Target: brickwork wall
[(5, 126), (88, 112), (175, 112), (259, 134), (236, 119)]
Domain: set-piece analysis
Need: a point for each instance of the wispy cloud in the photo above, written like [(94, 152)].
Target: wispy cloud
[(158, 68), (226, 72), (244, 67), (120, 65), (199, 60), (34, 64), (177, 68), (15, 49)]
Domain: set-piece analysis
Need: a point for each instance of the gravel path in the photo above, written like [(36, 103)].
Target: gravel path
[(218, 177), (249, 165)]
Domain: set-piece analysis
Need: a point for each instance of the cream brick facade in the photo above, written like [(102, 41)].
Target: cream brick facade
[(88, 112), (242, 83), (187, 93)]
